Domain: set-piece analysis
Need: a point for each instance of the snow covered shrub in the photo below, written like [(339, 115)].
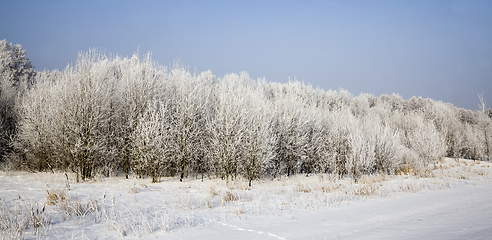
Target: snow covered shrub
[(362, 145), (469, 143), (425, 144), (447, 123), (340, 139), (228, 196), (387, 149), (361, 148)]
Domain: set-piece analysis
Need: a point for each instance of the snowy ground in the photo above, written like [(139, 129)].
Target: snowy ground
[(453, 201)]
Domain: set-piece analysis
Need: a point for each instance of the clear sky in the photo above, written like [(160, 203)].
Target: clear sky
[(434, 49)]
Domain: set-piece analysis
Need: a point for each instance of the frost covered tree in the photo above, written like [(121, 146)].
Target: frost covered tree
[(316, 142), (290, 129), (152, 141), (139, 82), (39, 125), (225, 125), (129, 115), (190, 96), (341, 144), (83, 113), (16, 75), (257, 136), (14, 66)]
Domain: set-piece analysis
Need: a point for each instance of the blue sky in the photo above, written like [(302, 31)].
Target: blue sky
[(434, 49)]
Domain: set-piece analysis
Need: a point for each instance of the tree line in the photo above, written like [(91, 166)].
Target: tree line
[(111, 115)]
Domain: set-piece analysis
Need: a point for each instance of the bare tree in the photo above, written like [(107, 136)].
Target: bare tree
[(485, 125)]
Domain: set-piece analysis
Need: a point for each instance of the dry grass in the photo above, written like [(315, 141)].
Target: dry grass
[(210, 202), (327, 188), (425, 173), (74, 207), (19, 215), (443, 167), (372, 179), (408, 187), (237, 185), (463, 177), (365, 190), (240, 211), (213, 192), (480, 172), (55, 196), (462, 169), (302, 188), (405, 170), (229, 197), (134, 188), (70, 206)]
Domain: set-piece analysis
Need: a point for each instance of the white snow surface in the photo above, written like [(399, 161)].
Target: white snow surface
[(452, 202), (464, 212)]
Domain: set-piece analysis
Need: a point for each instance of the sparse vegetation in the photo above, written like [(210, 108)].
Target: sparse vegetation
[(172, 205)]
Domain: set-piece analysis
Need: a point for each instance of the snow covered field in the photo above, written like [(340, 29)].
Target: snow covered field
[(453, 201)]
